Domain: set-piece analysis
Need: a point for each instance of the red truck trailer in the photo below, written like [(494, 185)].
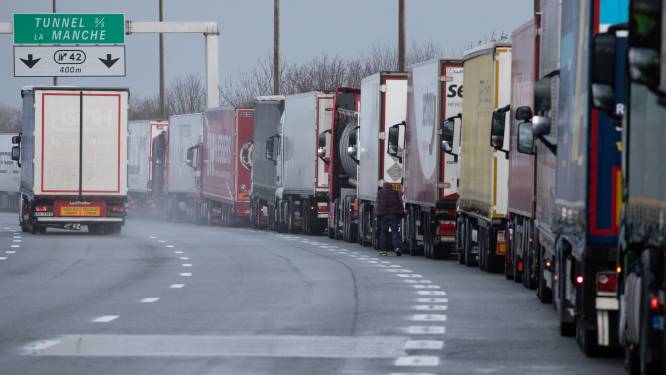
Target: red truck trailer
[(342, 162), (520, 260), (225, 165), (430, 180)]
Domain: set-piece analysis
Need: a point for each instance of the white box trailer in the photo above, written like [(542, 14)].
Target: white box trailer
[(10, 175), (383, 105), (73, 158), (302, 192), (185, 132), (141, 139)]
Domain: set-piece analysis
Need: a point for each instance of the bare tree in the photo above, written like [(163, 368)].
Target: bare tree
[(186, 95), (10, 119), (145, 108)]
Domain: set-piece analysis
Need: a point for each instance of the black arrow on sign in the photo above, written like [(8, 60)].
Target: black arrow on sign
[(109, 61), (29, 62)]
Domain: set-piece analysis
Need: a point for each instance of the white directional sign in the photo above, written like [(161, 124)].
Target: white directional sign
[(69, 61)]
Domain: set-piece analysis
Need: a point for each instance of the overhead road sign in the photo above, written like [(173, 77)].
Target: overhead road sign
[(69, 61), (60, 28)]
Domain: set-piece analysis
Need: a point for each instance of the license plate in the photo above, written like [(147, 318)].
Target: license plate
[(79, 211)]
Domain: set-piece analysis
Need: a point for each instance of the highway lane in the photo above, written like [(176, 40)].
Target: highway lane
[(170, 298)]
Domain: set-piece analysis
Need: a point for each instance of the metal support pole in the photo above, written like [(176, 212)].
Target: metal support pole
[(401, 35), (276, 48), (163, 113), (212, 70), (53, 10)]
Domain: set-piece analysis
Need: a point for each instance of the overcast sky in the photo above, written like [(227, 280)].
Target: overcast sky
[(309, 28)]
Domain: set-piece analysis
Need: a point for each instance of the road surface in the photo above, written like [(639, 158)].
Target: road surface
[(168, 298)]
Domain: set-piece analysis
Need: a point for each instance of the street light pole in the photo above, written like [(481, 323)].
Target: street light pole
[(163, 114), (276, 47), (401, 35), (53, 10)]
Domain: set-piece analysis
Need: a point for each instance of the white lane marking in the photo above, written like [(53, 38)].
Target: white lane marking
[(386, 262), (17, 241), (424, 344), (417, 360), (428, 318), (412, 275), (426, 286), (178, 252), (10, 252), (432, 300), (430, 307), (177, 286), (105, 318), (153, 237), (399, 270), (186, 274), (161, 241), (410, 281), (395, 266), (411, 373), (372, 261), (187, 264), (15, 246), (426, 330), (39, 346), (431, 293), (184, 258), (170, 246), (149, 300), (3, 258), (352, 255)]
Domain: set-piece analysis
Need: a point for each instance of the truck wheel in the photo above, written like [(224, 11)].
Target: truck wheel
[(469, 257), (587, 339), (649, 362), (460, 240), (96, 228), (113, 229)]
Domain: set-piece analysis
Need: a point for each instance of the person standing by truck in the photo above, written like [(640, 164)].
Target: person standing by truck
[(389, 212)]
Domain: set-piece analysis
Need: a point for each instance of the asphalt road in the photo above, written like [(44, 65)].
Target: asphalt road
[(166, 298)]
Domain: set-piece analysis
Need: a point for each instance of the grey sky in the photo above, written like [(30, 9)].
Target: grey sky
[(309, 28)]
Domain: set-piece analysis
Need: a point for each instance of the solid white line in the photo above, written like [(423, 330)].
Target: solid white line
[(426, 330), (186, 274), (184, 258), (187, 264), (428, 318), (149, 300), (417, 360), (177, 286), (424, 344), (430, 307), (431, 293), (10, 252), (432, 300), (105, 318)]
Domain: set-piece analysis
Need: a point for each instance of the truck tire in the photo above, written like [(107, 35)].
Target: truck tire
[(649, 362), (567, 329), (96, 228), (587, 339), (113, 229), (469, 244), (460, 240)]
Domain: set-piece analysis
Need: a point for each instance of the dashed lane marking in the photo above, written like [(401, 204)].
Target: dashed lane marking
[(426, 286), (17, 241), (161, 241), (178, 252), (105, 318), (170, 246), (426, 330), (428, 318), (153, 237), (417, 360), (184, 258), (424, 345), (187, 264), (149, 300), (432, 300), (186, 274), (430, 307), (3, 258), (177, 286), (412, 275), (431, 293), (15, 246), (10, 252)]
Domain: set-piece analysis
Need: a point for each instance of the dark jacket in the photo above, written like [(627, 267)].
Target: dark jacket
[(389, 201)]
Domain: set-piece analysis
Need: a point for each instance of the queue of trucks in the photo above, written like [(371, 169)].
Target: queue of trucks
[(546, 167)]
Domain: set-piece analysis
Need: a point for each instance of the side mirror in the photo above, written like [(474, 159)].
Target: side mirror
[(603, 72), (448, 130), (246, 155), (645, 37), (540, 125), (394, 140), (16, 140), (321, 147), (190, 158), (16, 153), (270, 145), (352, 148), (524, 113), (497, 128), (525, 138)]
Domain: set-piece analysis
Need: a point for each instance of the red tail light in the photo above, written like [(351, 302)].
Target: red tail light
[(654, 303), (520, 266), (117, 209), (580, 279), (606, 282), (446, 229), (41, 209)]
